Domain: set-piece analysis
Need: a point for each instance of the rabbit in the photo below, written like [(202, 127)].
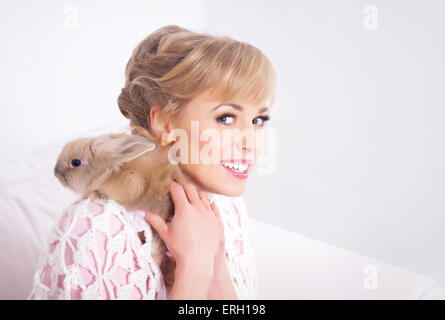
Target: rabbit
[(133, 170)]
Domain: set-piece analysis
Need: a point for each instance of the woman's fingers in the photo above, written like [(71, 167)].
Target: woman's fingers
[(191, 192), (206, 202), (217, 214), (157, 223), (170, 256), (177, 193), (215, 210), (221, 225)]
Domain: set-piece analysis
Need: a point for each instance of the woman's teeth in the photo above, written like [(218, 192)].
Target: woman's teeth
[(238, 167)]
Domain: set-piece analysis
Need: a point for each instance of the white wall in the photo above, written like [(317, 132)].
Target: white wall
[(358, 114), (63, 62), (359, 122)]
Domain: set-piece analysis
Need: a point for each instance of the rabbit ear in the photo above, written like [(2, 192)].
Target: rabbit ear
[(130, 147)]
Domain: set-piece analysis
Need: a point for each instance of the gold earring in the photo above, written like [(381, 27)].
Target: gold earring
[(164, 142)]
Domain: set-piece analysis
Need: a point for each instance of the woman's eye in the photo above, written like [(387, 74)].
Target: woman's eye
[(226, 119), (260, 121)]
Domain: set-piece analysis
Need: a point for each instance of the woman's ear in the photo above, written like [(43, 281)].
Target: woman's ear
[(155, 122), (160, 123)]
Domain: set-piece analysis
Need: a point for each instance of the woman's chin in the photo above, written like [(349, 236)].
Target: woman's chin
[(219, 181), (233, 189), (234, 194), (232, 184)]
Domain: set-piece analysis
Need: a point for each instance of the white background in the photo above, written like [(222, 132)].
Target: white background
[(358, 118)]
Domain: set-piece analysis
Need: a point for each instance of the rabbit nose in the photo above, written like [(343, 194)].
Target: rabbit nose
[(57, 171)]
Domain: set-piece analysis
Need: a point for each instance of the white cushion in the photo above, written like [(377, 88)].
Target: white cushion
[(292, 266)]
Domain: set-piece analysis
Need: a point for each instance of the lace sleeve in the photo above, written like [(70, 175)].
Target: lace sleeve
[(238, 251), (94, 253)]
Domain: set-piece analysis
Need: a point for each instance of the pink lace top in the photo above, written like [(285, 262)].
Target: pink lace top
[(94, 252)]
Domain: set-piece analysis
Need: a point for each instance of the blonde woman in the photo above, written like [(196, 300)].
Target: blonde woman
[(188, 89)]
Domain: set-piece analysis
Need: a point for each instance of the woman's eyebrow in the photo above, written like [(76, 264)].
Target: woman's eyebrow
[(238, 107)]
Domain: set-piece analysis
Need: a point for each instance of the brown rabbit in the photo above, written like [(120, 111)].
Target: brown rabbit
[(130, 169)]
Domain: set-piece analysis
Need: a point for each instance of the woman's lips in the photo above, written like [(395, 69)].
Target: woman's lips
[(243, 163)]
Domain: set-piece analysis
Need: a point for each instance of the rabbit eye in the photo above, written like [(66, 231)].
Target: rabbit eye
[(76, 162)]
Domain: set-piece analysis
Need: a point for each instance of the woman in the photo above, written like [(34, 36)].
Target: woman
[(186, 88)]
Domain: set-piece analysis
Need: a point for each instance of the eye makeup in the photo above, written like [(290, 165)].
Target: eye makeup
[(222, 119)]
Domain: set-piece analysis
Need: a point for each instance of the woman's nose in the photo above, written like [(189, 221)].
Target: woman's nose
[(246, 143), (245, 148)]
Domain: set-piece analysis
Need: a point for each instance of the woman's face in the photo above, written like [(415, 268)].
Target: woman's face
[(220, 142)]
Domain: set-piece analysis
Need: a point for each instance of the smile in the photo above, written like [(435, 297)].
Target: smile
[(237, 168)]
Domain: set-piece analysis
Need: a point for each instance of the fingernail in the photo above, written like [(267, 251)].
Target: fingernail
[(140, 213), (170, 256)]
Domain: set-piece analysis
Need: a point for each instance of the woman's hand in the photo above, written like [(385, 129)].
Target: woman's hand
[(221, 286), (192, 237), (194, 231)]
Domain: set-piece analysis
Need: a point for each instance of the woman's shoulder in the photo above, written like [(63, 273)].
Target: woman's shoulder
[(95, 207), (95, 239), (104, 215)]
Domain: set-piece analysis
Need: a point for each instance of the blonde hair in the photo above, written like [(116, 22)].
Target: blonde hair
[(172, 65)]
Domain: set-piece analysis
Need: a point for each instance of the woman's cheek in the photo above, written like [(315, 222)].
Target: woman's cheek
[(259, 144), (210, 149)]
